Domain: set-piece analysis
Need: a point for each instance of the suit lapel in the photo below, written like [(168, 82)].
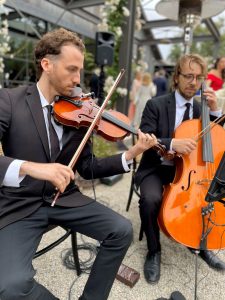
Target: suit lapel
[(34, 103), (171, 110)]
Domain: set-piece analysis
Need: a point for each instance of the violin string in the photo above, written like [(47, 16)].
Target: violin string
[(118, 122)]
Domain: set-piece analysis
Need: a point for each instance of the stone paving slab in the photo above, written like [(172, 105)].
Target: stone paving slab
[(178, 264)]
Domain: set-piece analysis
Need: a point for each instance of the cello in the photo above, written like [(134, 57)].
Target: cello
[(185, 216)]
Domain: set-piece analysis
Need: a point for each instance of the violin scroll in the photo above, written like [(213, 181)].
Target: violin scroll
[(161, 151)]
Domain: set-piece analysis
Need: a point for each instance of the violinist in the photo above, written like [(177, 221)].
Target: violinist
[(37, 152), (161, 116)]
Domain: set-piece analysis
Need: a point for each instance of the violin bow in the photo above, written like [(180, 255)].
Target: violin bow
[(91, 128)]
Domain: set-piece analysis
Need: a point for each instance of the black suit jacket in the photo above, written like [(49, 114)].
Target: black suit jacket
[(159, 118), (23, 135)]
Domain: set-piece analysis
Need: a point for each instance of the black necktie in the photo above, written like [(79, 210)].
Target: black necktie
[(54, 141), (187, 112)]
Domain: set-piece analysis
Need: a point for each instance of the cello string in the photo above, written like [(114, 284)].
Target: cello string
[(208, 128), (210, 166)]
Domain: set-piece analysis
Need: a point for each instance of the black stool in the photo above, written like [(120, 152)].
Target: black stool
[(68, 233)]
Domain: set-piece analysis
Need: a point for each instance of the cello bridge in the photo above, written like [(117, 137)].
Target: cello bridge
[(204, 181)]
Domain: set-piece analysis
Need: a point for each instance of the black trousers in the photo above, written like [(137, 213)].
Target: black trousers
[(19, 242), (151, 190)]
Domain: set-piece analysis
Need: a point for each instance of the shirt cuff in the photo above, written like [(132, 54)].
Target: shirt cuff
[(171, 145), (12, 177), (126, 163), (216, 113)]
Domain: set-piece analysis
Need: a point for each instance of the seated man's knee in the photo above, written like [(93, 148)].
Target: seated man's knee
[(150, 202), (15, 287), (124, 230)]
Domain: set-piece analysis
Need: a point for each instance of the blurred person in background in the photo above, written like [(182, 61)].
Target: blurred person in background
[(220, 94), (134, 88), (161, 83), (146, 91), (216, 76)]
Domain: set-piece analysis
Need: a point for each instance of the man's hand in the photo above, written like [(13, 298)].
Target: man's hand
[(58, 174), (144, 142), (211, 99), (183, 146)]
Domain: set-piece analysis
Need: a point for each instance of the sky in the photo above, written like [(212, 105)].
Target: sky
[(167, 32)]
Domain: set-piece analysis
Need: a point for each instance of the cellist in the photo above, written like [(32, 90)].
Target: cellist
[(161, 116), (37, 151)]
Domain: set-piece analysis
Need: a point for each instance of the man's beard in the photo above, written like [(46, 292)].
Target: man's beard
[(187, 96)]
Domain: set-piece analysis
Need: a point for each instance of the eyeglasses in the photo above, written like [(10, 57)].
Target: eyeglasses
[(191, 77)]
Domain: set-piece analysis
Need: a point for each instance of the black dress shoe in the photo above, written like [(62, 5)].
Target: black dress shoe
[(177, 296), (174, 296), (212, 260), (152, 267)]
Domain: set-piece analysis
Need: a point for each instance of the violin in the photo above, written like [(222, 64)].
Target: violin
[(91, 128), (77, 111), (81, 111)]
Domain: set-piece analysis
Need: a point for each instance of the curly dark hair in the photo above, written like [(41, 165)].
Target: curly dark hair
[(191, 58), (51, 43)]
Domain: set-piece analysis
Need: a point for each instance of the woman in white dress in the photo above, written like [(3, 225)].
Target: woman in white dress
[(146, 91)]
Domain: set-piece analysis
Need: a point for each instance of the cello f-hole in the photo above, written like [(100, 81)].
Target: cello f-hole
[(189, 181)]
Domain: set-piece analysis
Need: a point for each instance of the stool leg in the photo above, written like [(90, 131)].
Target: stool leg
[(132, 184), (141, 233), (130, 194), (75, 253)]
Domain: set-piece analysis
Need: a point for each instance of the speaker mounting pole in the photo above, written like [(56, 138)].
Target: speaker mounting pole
[(101, 86)]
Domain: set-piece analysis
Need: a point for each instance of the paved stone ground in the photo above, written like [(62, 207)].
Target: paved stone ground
[(178, 264)]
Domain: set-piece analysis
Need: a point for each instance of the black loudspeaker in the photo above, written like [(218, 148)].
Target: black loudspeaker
[(104, 49)]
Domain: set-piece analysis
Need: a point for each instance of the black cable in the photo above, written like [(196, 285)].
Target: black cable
[(85, 265), (90, 248), (68, 261), (92, 161)]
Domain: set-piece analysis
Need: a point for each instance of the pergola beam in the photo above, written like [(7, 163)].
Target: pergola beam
[(213, 29), (168, 23), (54, 14), (75, 4), (159, 23), (175, 40), (85, 3), (86, 16)]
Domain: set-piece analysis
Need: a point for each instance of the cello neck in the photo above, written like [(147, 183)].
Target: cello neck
[(207, 152)]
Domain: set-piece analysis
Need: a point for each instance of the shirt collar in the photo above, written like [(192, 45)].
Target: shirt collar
[(44, 102), (181, 101)]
